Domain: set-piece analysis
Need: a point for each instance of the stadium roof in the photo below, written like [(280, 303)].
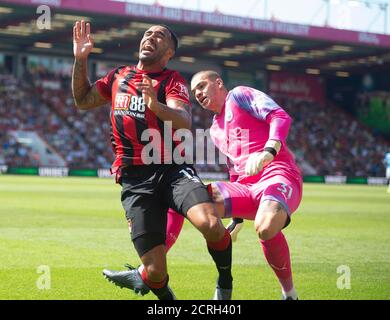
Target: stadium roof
[(250, 44)]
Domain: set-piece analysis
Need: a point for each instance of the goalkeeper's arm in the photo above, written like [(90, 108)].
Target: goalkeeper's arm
[(279, 122), (259, 160)]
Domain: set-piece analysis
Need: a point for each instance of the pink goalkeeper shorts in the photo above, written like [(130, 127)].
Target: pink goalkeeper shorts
[(243, 200)]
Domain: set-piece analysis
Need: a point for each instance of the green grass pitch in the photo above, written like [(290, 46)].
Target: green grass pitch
[(76, 227)]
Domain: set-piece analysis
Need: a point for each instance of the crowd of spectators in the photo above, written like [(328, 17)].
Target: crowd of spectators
[(333, 141), (330, 140), (15, 153), (50, 112)]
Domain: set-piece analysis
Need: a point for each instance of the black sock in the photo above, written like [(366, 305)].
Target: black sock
[(223, 261), (163, 293)]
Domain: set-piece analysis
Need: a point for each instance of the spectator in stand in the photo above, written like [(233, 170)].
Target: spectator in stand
[(330, 144)]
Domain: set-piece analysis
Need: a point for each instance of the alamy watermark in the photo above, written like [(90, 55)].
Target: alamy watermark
[(182, 146), (344, 281), (44, 280), (44, 20)]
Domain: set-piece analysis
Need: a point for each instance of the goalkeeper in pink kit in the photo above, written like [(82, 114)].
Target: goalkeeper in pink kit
[(266, 184)]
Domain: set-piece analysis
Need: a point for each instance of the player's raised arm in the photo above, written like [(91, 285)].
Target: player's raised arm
[(85, 95)]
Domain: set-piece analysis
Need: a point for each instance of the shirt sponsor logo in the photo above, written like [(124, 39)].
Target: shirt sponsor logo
[(122, 101), (129, 105)]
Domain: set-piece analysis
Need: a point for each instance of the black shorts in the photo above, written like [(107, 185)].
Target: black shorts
[(148, 192)]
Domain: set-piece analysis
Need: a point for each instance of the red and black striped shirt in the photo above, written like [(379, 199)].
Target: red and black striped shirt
[(130, 117)]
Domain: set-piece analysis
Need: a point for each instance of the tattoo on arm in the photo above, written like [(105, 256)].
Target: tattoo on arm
[(188, 110), (80, 82), (182, 108), (85, 95), (177, 111)]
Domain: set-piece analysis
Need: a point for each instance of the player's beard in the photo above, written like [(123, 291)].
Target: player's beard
[(153, 58)]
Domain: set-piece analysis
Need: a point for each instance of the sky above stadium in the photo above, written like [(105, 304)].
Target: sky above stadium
[(359, 15)]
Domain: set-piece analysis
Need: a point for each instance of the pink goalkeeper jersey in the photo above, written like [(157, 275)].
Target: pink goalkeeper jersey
[(248, 119)]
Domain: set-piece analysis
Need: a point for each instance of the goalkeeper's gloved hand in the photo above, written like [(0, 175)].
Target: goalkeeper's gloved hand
[(257, 161)]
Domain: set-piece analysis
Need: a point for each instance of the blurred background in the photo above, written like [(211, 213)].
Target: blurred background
[(325, 62)]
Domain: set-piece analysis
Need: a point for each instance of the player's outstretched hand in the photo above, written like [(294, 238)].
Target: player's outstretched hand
[(82, 39), (257, 161)]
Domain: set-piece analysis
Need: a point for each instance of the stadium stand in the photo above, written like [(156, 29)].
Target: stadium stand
[(50, 112), (373, 109), (343, 135), (329, 139), (15, 153), (332, 141)]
